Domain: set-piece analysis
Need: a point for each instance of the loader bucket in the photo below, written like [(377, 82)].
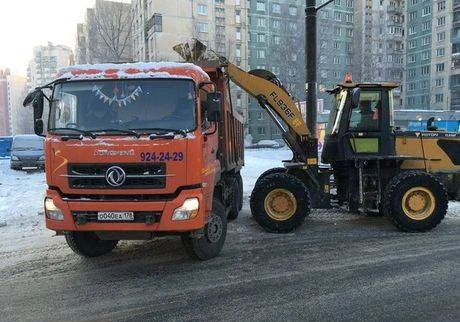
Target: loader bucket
[(196, 52)]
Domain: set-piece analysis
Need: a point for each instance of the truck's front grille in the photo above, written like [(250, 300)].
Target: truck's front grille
[(126, 176), (147, 217)]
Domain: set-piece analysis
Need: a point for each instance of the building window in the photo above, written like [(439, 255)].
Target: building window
[(412, 44), (276, 23), (260, 116), (337, 16), (440, 67), (412, 58), (411, 73), (441, 21), (439, 98), (261, 22), (201, 27), (411, 87), (261, 130), (261, 38), (441, 36), (260, 5), (426, 11), (425, 70), (440, 52), (293, 10), (442, 5), (276, 8), (439, 82), (426, 40), (411, 30), (412, 15), (277, 40), (336, 60), (426, 55), (261, 53), (426, 25), (202, 9)]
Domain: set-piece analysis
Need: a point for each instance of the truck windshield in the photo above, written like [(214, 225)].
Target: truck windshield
[(144, 105)]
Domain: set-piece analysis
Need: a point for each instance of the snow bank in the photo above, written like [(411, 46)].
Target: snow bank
[(21, 199), (133, 70), (257, 161)]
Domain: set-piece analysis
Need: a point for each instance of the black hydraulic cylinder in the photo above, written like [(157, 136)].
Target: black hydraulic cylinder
[(310, 64)]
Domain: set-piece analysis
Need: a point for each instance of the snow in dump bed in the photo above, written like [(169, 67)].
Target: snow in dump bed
[(134, 70)]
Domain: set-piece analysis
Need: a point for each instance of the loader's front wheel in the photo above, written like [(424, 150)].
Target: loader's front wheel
[(280, 202), (415, 201)]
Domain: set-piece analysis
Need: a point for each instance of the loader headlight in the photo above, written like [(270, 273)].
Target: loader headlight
[(188, 210), (14, 158), (51, 211)]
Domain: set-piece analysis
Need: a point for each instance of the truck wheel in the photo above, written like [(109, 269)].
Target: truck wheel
[(415, 201), (240, 190), (280, 202), (268, 172), (209, 244), (87, 244), (233, 201)]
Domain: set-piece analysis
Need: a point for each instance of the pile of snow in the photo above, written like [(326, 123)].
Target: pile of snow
[(21, 199), (133, 70), (258, 161)]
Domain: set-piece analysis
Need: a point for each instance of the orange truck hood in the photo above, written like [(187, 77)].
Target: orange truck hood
[(176, 154)]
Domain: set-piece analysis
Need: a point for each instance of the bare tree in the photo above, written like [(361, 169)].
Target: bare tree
[(110, 32)]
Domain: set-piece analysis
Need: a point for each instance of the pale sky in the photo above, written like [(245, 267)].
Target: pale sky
[(28, 23)]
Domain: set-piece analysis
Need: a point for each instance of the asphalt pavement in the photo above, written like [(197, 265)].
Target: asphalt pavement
[(336, 267)]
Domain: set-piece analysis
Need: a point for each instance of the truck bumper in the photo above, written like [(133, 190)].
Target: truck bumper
[(161, 211)]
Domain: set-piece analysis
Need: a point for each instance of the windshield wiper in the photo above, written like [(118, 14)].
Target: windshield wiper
[(131, 132), (163, 131), (86, 133)]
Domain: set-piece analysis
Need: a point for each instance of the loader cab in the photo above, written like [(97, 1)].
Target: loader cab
[(360, 123)]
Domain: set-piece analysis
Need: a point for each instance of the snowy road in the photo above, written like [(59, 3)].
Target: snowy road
[(337, 266)]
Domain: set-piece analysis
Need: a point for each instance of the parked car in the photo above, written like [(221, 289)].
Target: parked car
[(27, 152)]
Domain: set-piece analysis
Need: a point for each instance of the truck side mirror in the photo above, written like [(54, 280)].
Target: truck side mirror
[(214, 101), (37, 104), (355, 96)]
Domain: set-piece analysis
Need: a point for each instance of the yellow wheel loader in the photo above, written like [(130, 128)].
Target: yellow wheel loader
[(371, 165)]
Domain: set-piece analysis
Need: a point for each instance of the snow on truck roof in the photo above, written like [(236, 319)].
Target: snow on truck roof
[(134, 70)]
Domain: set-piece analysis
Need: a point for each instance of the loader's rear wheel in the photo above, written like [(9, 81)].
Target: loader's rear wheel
[(415, 201), (280, 202)]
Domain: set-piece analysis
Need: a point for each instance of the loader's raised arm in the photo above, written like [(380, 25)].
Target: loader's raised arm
[(268, 93)]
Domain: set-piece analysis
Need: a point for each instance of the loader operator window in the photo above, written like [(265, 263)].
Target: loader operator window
[(141, 105), (365, 117)]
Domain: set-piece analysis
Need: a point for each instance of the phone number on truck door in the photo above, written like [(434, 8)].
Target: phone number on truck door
[(162, 156)]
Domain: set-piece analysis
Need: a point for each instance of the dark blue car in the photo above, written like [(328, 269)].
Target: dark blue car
[(27, 152)]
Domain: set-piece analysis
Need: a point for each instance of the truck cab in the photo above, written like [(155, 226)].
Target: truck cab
[(134, 151)]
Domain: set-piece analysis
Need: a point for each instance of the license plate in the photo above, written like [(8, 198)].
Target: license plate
[(115, 216)]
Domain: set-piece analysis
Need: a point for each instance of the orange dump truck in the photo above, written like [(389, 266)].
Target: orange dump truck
[(135, 151)]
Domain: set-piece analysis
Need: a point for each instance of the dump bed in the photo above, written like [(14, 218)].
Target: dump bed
[(231, 130)]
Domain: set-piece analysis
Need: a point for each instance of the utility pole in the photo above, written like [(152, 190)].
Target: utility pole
[(310, 63)]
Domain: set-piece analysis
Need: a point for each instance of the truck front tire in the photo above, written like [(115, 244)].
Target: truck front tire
[(87, 244), (209, 243)]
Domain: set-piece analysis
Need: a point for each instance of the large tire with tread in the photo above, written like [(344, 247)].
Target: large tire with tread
[(87, 244), (239, 179), (280, 202), (270, 171), (210, 243), (415, 201), (233, 198)]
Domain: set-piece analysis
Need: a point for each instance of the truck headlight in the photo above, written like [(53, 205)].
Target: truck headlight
[(14, 158), (51, 211), (188, 210)]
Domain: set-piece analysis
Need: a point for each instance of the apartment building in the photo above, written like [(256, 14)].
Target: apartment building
[(455, 67), (428, 54), (379, 42), (220, 24), (4, 112), (45, 63)]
